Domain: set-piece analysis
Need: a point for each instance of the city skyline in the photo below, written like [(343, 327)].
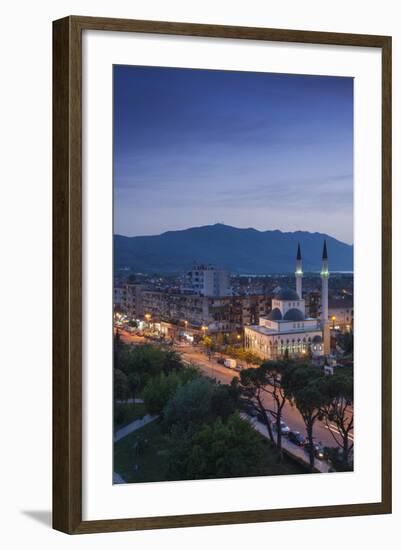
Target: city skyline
[(199, 147)]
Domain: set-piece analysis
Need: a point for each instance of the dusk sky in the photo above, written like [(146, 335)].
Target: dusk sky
[(198, 147)]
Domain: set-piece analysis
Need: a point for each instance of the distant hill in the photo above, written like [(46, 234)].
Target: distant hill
[(238, 250)]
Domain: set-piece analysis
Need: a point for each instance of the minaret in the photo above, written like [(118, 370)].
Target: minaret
[(298, 272), (325, 300)]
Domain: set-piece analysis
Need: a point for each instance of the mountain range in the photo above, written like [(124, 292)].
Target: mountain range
[(246, 251)]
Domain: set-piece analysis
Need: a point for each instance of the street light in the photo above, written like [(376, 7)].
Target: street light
[(148, 317)]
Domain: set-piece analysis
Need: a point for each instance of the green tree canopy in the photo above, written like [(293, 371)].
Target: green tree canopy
[(160, 389), (303, 386), (338, 412), (221, 449), (121, 385), (223, 401), (142, 363), (191, 404)]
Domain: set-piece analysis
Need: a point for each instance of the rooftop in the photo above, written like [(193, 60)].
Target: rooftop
[(286, 294), (272, 332)]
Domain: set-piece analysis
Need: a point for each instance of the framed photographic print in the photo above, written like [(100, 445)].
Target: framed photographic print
[(222, 274)]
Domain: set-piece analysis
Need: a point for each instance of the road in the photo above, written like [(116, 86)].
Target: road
[(291, 416), (210, 367)]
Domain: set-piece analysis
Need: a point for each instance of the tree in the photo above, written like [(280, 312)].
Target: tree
[(254, 382), (266, 380), (134, 383), (191, 404), (220, 449), (223, 401), (337, 409), (159, 390), (121, 385), (302, 384), (207, 342), (346, 342), (172, 361), (252, 358), (141, 363), (219, 339), (117, 349), (336, 458), (274, 371)]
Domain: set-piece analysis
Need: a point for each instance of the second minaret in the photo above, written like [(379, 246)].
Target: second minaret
[(299, 273), (324, 274)]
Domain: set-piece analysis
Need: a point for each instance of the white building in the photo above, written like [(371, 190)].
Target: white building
[(286, 329), (208, 280)]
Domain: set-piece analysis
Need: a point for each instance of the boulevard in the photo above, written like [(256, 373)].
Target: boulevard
[(195, 355)]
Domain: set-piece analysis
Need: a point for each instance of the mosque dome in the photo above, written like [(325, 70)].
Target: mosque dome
[(294, 315), (286, 294), (275, 315)]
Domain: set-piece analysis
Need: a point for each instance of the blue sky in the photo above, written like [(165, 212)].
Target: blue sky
[(197, 147)]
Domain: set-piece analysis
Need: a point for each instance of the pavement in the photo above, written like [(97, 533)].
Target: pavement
[(294, 450), (133, 426)]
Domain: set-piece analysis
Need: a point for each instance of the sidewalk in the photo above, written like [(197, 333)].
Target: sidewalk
[(292, 449), (135, 425)]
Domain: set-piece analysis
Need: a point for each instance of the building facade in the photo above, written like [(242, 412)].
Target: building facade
[(286, 330), (208, 280), (224, 313), (128, 299), (341, 314)]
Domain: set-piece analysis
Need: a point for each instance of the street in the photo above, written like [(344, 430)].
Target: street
[(210, 367), (291, 416)]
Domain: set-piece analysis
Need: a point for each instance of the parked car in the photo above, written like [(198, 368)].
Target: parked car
[(252, 411), (297, 438), (284, 429), (220, 360), (317, 450), (230, 363), (238, 367)]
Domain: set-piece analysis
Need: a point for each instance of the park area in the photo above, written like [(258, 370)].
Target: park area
[(194, 429)]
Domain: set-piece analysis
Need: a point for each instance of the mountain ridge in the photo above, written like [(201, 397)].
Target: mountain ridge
[(240, 250)]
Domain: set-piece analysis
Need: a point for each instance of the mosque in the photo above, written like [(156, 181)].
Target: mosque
[(286, 329)]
